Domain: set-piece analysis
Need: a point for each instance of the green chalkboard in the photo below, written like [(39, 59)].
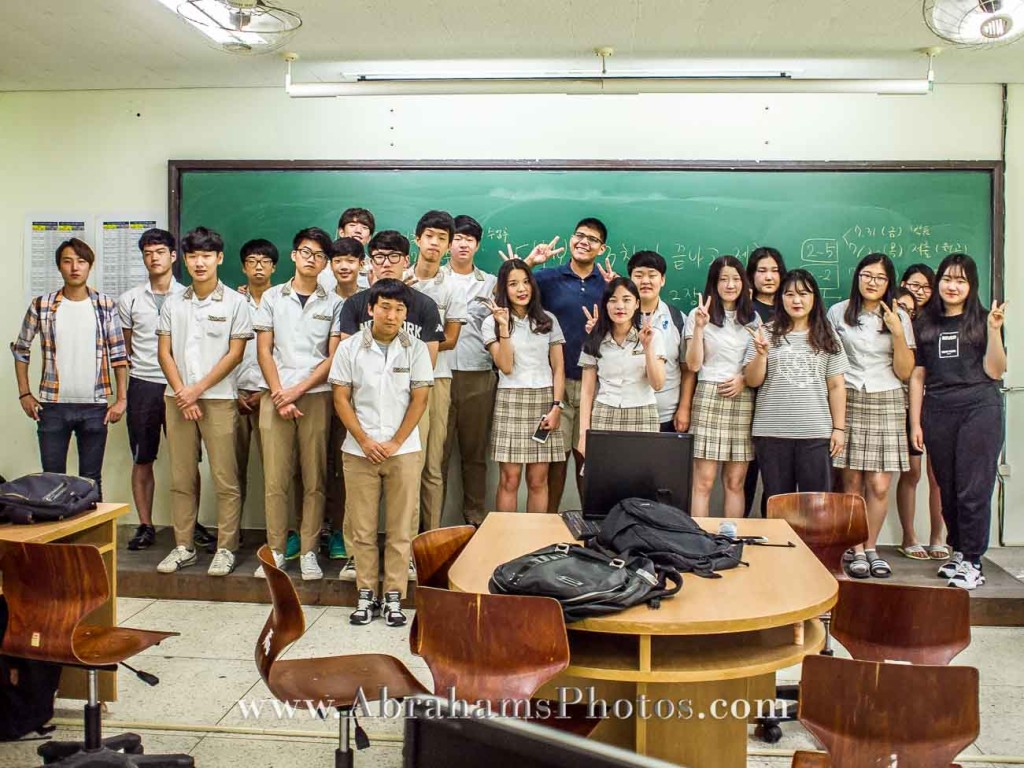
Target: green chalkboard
[(822, 217)]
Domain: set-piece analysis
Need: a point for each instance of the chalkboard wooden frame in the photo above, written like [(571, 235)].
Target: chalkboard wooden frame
[(995, 169)]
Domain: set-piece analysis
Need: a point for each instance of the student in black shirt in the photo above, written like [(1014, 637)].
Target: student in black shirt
[(956, 410)]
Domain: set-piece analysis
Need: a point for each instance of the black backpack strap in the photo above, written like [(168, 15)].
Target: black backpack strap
[(665, 575), (678, 319)]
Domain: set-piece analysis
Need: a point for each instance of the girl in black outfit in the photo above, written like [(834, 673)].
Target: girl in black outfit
[(956, 410)]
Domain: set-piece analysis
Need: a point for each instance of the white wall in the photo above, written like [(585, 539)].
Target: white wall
[(108, 150)]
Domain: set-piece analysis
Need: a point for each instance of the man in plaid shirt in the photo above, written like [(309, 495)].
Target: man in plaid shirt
[(80, 336)]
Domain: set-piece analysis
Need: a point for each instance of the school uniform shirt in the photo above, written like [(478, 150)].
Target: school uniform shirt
[(955, 375), (564, 294), (422, 320), (381, 381), (250, 377), (451, 305), (139, 310), (793, 400), (531, 365), (622, 371), (469, 353), (868, 349), (201, 331), (301, 333), (675, 351), (723, 347)]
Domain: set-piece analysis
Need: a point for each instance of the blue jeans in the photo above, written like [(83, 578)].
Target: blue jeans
[(57, 422)]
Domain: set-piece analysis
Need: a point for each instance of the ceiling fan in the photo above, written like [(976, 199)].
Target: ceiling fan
[(246, 27), (976, 23)]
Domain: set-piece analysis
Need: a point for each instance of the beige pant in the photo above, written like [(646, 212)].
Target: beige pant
[(469, 421), (433, 427), (216, 430), (287, 442), (569, 422), (398, 478)]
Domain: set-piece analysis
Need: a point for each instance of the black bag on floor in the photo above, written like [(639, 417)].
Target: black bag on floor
[(586, 582), (27, 690), (669, 537), (46, 496)]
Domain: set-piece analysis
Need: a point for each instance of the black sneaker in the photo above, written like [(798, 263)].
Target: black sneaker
[(144, 538), (392, 610), (203, 538), (366, 609)]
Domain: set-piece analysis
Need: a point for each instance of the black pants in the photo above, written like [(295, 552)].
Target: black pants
[(750, 490), (788, 465), (57, 422), (963, 449)]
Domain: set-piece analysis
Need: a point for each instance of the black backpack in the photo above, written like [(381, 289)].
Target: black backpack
[(27, 690), (668, 536), (44, 497), (586, 582)]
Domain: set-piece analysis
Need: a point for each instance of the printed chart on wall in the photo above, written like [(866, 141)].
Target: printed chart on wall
[(43, 233), (119, 262)]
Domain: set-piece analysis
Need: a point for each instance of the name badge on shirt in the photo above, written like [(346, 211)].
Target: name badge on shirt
[(328, 318), (216, 319), (639, 351), (400, 370)]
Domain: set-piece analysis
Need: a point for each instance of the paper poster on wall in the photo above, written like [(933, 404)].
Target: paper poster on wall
[(43, 233), (119, 262)]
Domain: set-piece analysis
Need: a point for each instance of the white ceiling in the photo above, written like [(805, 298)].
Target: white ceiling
[(90, 44)]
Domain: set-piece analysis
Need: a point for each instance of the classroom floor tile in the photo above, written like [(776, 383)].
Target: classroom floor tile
[(129, 606), (23, 753)]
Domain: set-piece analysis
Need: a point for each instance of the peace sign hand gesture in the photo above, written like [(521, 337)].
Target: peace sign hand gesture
[(591, 319), (760, 342), (508, 254), (646, 333), (543, 251), (997, 315), (703, 311), (606, 271), (891, 318), (501, 317)]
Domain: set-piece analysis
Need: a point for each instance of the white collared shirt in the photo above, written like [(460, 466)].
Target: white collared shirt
[(531, 364), (301, 334), (868, 350), (622, 371), (723, 347), (137, 308), (381, 385), (675, 355), (451, 305), (249, 376), (201, 331), (470, 353)]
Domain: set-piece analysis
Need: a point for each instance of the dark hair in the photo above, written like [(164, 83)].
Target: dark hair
[(922, 269), (852, 314), (81, 249), (467, 225), (596, 224), (592, 344), (540, 322), (389, 240), (973, 329), (359, 216), (389, 288), (647, 260), (202, 239), (436, 220), (900, 293), (744, 304), (156, 236), (258, 247), (347, 246), (318, 236), (820, 336), (764, 252)]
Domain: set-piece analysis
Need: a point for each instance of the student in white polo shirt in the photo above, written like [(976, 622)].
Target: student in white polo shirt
[(139, 310), (357, 224), (202, 335), (297, 333), (381, 377)]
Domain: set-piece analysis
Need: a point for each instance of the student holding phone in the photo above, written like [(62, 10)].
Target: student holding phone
[(526, 344)]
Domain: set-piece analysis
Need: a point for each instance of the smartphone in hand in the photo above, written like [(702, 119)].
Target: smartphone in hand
[(542, 433)]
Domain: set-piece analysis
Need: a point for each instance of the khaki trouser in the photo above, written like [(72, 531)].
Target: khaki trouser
[(334, 511), (469, 422), (398, 478), (216, 430), (285, 443), (433, 427), (569, 421)]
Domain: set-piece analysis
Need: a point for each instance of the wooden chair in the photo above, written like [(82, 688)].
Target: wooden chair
[(872, 713), (50, 590), (334, 681), (894, 622), (434, 552), (496, 648), (828, 523)]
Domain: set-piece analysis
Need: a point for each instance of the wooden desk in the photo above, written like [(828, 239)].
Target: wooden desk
[(717, 644), (98, 528)]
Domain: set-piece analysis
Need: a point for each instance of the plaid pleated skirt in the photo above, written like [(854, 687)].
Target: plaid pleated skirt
[(876, 432), (517, 413), (721, 425), (641, 418)]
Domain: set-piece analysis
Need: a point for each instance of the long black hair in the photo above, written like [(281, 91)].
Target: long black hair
[(744, 304), (852, 315), (764, 252), (975, 319), (820, 335), (592, 344), (540, 322)]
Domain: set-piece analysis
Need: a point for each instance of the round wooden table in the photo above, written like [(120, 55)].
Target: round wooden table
[(687, 677)]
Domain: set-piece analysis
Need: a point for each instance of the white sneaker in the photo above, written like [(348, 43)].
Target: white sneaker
[(278, 561), (179, 557), (348, 571), (412, 571), (310, 567), (949, 568), (967, 576), (222, 564)]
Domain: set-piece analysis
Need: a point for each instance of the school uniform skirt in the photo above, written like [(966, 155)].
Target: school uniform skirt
[(517, 412), (876, 432), (641, 418), (721, 425)]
